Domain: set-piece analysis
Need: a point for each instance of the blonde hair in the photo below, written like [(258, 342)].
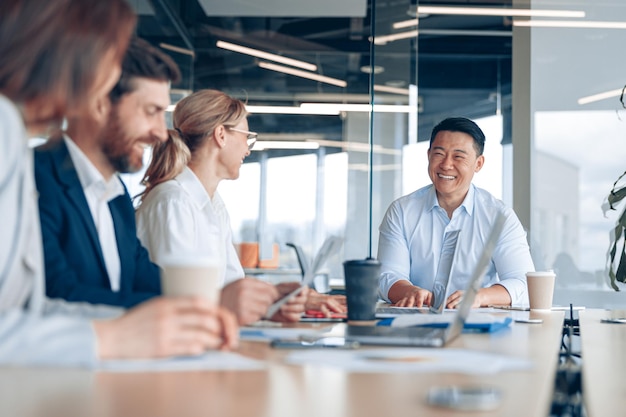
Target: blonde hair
[(195, 119)]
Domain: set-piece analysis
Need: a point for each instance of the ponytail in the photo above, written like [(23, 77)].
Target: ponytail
[(195, 119), (169, 158)]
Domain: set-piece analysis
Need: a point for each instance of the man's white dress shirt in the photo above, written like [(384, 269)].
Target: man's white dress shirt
[(99, 192), (411, 237), (178, 217)]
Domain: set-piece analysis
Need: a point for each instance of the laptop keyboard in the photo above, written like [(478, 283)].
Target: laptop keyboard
[(402, 310)]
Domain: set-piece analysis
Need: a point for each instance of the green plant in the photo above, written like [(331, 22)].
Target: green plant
[(618, 234)]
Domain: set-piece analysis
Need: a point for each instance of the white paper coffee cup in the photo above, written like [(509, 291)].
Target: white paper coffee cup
[(540, 289), (191, 276)]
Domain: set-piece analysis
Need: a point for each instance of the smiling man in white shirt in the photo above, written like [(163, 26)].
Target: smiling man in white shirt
[(412, 231)]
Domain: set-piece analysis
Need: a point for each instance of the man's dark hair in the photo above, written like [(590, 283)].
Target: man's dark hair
[(463, 125), (143, 60)]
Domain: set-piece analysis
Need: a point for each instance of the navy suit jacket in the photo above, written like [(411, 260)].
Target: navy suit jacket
[(74, 264)]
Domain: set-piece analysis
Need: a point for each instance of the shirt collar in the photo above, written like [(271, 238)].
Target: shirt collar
[(89, 176), (468, 202), (192, 185)]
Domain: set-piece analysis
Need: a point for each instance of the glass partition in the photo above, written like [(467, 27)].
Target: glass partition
[(344, 129), (578, 147)]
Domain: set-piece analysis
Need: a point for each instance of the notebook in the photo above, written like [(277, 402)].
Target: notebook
[(427, 336)]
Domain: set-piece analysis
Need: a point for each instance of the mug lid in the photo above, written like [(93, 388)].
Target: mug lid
[(366, 261)]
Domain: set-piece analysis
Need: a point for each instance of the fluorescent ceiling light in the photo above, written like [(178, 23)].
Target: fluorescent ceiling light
[(279, 110), (329, 109), (382, 40), (266, 55), (406, 24), (303, 74), (261, 145), (600, 96), (177, 49), (485, 11), (378, 108), (289, 110), (375, 168), (493, 11), (393, 90), (570, 24), (358, 147)]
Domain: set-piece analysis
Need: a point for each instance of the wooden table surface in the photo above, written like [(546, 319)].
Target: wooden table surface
[(283, 390), (603, 348)]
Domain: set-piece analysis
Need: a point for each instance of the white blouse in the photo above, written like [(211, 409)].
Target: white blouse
[(178, 218)]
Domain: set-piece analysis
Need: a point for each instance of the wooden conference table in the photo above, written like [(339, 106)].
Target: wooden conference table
[(282, 390), (604, 363)]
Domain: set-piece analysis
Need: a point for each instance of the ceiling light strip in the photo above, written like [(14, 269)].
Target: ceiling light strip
[(571, 24), (266, 55), (392, 90), (177, 49), (377, 108), (261, 145), (290, 110), (600, 96), (382, 40), (492, 11), (406, 24), (303, 74)]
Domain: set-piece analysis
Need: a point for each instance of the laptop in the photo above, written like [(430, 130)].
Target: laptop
[(441, 284), (426, 336)]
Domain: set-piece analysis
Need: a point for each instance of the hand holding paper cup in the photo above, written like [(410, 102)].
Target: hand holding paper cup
[(191, 276), (540, 289)]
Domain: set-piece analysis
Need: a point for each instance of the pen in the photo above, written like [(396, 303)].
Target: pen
[(503, 307)]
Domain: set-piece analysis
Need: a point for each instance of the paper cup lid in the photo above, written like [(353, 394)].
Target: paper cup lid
[(541, 273), (188, 260)]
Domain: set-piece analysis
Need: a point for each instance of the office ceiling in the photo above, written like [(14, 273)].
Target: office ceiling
[(462, 64)]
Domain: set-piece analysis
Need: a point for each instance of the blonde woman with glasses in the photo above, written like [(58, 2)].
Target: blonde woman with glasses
[(182, 213)]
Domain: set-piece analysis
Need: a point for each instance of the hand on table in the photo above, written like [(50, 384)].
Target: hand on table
[(325, 303), (249, 299), (165, 327), (496, 294), (293, 309), (415, 297), (455, 299)]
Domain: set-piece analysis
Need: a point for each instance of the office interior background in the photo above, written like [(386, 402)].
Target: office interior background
[(343, 131)]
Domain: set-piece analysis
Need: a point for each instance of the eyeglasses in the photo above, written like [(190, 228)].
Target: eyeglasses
[(252, 136)]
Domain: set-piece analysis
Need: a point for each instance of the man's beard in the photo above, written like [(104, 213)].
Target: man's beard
[(117, 146)]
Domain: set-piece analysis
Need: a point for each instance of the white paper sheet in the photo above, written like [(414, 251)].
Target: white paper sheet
[(410, 360), (210, 361), (260, 333)]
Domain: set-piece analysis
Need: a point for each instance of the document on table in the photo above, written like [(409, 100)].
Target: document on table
[(263, 333), (209, 361), (410, 360)]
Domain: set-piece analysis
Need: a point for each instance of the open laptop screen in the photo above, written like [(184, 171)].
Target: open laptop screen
[(444, 270), (474, 283)]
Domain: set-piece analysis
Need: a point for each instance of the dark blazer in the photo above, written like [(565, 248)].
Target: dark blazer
[(75, 268)]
